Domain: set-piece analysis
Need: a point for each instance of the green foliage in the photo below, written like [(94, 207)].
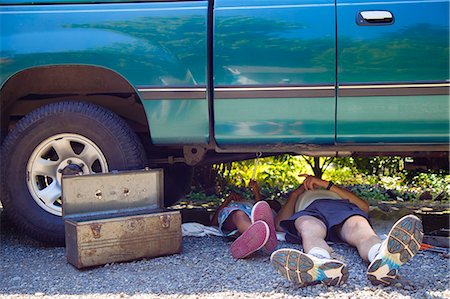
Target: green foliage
[(274, 173), (371, 193), (435, 182), (344, 176), (374, 165), (372, 179)]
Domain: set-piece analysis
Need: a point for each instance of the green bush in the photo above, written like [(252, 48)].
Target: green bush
[(372, 179)]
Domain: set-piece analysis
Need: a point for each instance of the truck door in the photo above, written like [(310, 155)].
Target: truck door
[(274, 72), (393, 71)]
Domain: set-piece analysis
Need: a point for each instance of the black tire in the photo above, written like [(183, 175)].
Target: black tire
[(119, 145), (177, 182)]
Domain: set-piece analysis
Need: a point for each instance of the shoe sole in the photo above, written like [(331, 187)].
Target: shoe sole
[(253, 239), (403, 242), (298, 267), (262, 211)]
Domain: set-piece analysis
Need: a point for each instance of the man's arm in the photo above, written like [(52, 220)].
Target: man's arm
[(287, 210), (312, 183)]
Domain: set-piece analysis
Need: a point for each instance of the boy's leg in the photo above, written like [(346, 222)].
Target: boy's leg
[(253, 236), (261, 211), (237, 220), (251, 240)]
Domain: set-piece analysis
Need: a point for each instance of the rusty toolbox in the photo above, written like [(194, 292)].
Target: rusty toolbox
[(115, 217)]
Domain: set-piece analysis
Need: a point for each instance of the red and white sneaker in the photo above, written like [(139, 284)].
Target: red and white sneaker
[(253, 239), (262, 211)]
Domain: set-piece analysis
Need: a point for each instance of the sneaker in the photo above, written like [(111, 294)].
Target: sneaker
[(306, 269), (400, 246), (262, 211), (253, 239)]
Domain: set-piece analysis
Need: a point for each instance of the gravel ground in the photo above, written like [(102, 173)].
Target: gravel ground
[(204, 269)]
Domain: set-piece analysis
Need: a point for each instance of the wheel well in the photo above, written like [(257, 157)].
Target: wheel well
[(35, 87)]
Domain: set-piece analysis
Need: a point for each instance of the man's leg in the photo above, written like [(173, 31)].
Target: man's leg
[(313, 232), (385, 257), (357, 232), (316, 266), (400, 246)]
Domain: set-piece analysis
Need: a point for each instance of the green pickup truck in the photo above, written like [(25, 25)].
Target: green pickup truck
[(91, 86)]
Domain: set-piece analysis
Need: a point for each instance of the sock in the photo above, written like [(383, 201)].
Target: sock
[(373, 251), (319, 252)]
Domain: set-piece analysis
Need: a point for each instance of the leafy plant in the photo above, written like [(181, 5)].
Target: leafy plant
[(373, 179)]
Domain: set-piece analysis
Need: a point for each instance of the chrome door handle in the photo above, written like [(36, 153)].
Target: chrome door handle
[(375, 17)]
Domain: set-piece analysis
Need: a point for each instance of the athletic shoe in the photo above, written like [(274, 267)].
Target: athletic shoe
[(262, 211), (400, 246), (306, 269), (253, 239)]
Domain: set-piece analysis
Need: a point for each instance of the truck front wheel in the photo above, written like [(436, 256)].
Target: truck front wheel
[(54, 140)]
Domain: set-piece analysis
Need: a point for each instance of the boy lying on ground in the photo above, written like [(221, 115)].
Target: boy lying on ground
[(252, 222)]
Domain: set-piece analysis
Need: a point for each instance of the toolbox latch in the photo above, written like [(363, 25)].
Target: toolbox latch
[(165, 221), (96, 228)]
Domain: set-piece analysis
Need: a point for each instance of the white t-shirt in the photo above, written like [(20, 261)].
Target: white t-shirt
[(307, 197)]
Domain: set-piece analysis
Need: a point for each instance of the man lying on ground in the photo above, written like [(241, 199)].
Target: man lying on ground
[(319, 211)]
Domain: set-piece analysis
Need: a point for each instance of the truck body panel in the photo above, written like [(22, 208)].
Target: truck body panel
[(265, 98), (393, 78), (149, 44), (161, 49)]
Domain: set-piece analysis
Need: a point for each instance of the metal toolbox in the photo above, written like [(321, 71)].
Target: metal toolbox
[(116, 217)]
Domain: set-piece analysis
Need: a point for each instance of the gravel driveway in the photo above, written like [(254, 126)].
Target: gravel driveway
[(204, 269)]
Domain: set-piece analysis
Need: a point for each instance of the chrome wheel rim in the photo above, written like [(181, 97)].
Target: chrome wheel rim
[(56, 156)]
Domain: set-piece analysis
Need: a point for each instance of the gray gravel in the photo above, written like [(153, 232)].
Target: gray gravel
[(204, 269)]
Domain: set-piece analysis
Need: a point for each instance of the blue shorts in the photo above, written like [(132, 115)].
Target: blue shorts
[(332, 212), (246, 207)]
